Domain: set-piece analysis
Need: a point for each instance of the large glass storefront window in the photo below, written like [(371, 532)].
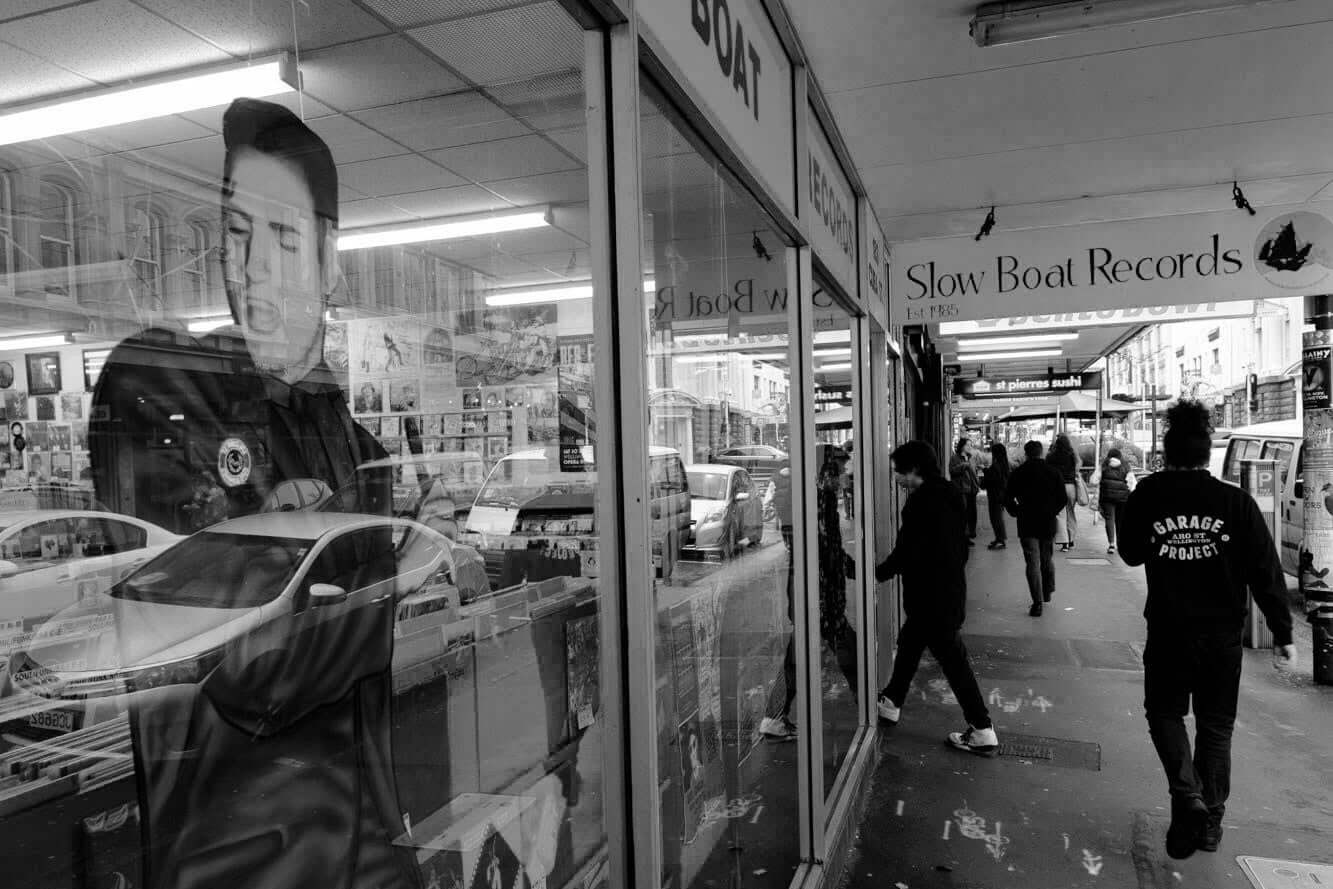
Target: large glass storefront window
[(720, 390), (298, 545)]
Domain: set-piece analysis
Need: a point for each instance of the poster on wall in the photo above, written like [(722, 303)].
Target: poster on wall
[(43, 373), (1316, 376), (368, 397), (71, 406), (582, 666), (505, 345), (384, 345), (16, 404), (335, 346)]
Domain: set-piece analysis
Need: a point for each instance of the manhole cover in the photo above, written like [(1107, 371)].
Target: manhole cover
[(1053, 751), (1088, 561), (1273, 873)]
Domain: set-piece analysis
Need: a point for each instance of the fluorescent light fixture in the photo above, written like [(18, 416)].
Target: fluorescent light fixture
[(832, 336), (444, 229), (524, 296), (766, 356), (1015, 21), (160, 97), (1004, 342), (825, 368), (707, 358), (1099, 318), (1001, 356), (832, 353), (208, 325), (38, 341)]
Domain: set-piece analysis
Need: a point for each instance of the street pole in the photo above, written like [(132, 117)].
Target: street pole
[(1152, 450), (1316, 554)]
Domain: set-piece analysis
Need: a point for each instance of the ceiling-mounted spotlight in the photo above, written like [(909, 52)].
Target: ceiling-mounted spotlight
[(759, 249), (1014, 21), (1242, 203), (986, 225)]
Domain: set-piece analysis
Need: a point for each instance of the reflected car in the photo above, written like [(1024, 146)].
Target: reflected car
[(51, 558), (761, 461), (288, 598), (726, 509)]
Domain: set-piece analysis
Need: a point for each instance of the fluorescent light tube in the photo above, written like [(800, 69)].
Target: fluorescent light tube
[(825, 368), (524, 296), (444, 229), (999, 356), (1003, 342), (40, 341), (1015, 21), (832, 336), (207, 325), (126, 104)]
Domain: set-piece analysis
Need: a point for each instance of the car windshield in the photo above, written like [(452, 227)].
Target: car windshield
[(520, 480), (243, 571), (708, 485)]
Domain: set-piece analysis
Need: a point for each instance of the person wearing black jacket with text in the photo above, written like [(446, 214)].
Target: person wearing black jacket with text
[(931, 558), (1204, 544), (1035, 496)]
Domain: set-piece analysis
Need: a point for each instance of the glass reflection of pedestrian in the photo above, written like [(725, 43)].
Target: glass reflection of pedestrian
[(271, 773), (995, 481)]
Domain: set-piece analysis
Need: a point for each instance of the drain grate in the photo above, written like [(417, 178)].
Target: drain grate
[(1061, 752)]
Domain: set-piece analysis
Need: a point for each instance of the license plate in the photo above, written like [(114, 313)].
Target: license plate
[(52, 720)]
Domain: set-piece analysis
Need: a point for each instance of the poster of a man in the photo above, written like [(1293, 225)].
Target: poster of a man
[(369, 398)]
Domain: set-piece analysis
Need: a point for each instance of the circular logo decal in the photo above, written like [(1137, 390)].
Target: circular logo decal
[(234, 462), (1295, 250)]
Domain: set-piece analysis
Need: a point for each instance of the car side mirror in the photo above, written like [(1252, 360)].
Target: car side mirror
[(8, 568), (322, 594)]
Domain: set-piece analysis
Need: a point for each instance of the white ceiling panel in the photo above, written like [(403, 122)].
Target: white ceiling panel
[(375, 72), (539, 241), (144, 134), (396, 175), (574, 141), (351, 141), (25, 77), (371, 211), (507, 46), (449, 202), (110, 41), (407, 13), (550, 102), (505, 159), (265, 26), (305, 107), (552, 188), (16, 9), (444, 121)]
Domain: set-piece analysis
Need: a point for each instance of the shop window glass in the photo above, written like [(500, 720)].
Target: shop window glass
[(725, 591), (263, 388)]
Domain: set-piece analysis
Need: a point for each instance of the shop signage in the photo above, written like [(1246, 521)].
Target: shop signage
[(832, 208), (1003, 387), (1101, 318), (730, 55), (874, 265), (1316, 376), (1214, 257)]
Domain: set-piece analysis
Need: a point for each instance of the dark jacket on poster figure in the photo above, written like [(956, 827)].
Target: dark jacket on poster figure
[(274, 772), (1114, 485), (1204, 544), (931, 555), (1036, 493)]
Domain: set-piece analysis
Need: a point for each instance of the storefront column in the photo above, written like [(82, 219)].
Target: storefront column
[(1317, 536)]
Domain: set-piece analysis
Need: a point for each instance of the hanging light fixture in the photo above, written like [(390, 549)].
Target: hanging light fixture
[(1016, 21)]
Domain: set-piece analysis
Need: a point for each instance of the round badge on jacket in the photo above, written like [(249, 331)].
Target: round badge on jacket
[(234, 462)]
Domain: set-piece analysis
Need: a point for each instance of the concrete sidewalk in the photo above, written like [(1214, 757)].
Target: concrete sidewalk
[(1077, 797)]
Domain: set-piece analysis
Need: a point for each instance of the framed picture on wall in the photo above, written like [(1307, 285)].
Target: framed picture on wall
[(6, 374), (44, 373)]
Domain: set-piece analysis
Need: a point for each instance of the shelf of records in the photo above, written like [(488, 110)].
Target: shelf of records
[(487, 423)]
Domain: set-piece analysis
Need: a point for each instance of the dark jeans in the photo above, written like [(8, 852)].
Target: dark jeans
[(995, 506), (1111, 512), (970, 501), (1204, 667), (948, 648), (1038, 554)]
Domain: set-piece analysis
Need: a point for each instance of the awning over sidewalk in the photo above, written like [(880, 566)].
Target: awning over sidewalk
[(1078, 405)]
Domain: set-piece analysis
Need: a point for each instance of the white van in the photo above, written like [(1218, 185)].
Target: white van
[(1282, 441)]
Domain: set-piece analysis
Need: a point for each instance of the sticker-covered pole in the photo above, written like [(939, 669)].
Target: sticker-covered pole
[(1316, 554)]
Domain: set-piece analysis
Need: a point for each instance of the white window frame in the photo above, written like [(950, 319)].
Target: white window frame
[(6, 233), (66, 198), (148, 269)]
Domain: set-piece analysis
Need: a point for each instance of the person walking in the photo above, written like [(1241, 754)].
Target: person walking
[(1204, 544), (995, 481), (1115, 480), (1035, 496), (931, 558), (1063, 458), (964, 478)]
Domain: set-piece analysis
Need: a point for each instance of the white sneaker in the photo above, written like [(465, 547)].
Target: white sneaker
[(981, 741), (888, 711), (778, 728)]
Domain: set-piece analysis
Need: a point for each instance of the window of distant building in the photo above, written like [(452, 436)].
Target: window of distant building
[(56, 236)]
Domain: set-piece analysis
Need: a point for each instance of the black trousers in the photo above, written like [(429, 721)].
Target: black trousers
[(995, 506), (1039, 559), (970, 502), (1111, 513), (946, 644), (1202, 670)]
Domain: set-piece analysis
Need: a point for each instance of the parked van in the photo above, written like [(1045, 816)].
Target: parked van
[(1282, 441), (534, 515)]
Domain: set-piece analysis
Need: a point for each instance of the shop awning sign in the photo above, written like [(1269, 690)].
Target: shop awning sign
[(1202, 257), (1007, 387), (832, 208)]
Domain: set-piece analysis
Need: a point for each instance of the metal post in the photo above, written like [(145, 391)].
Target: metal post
[(1259, 477), (1152, 448), (1316, 554)]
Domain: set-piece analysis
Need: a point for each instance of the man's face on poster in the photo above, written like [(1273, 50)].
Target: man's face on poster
[(275, 279)]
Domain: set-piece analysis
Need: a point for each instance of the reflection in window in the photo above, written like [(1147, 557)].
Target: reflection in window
[(57, 237), (145, 237), (197, 264), (6, 229)]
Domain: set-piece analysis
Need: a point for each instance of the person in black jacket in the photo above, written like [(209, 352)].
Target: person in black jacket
[(1203, 543), (1065, 459), (964, 478), (1113, 486), (931, 558), (1035, 496), (995, 481)]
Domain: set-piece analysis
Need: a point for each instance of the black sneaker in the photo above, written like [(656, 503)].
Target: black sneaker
[(1046, 597), (1188, 817), (995, 544), (1211, 837), (1034, 611)]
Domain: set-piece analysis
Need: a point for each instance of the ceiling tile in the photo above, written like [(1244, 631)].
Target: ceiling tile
[(375, 72), (143, 134), (371, 211), (552, 188), (575, 141), (443, 121), (26, 78), (505, 159), (396, 175), (449, 202), (406, 13), (305, 108), (507, 46), (351, 141), (232, 27), (111, 41), (15, 9)]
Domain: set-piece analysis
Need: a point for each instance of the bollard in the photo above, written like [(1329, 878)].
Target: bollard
[(1259, 477)]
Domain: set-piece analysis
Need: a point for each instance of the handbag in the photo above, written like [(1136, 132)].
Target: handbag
[(1080, 490)]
